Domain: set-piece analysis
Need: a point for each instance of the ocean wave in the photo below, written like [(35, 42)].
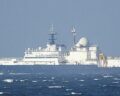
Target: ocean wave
[(104, 85), (8, 80), (81, 80), (107, 76), (116, 79), (74, 93), (96, 79), (22, 80), (44, 80), (56, 87), (1, 93), (1, 73), (19, 73), (65, 81), (52, 78), (115, 82), (34, 81), (68, 89), (81, 85)]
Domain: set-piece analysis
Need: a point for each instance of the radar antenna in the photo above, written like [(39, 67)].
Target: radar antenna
[(74, 35), (52, 35)]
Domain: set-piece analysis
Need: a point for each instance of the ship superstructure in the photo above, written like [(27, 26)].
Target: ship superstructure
[(50, 55), (81, 53)]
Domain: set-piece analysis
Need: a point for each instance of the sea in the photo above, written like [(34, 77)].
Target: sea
[(60, 80)]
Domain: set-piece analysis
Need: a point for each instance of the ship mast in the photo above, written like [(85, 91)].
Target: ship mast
[(52, 35), (74, 35)]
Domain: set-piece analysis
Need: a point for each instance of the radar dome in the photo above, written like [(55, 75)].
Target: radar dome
[(83, 41)]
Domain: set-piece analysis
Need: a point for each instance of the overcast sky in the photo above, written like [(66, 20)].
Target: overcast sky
[(26, 23)]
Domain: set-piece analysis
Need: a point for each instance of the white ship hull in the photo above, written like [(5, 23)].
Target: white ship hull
[(15, 61), (81, 53)]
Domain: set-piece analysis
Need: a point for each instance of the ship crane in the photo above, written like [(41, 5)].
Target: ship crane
[(102, 60)]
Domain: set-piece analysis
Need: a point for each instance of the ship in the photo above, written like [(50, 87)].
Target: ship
[(81, 53)]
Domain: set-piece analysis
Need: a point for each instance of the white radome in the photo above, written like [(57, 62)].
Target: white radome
[(82, 42)]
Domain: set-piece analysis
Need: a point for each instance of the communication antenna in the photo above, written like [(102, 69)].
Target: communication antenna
[(52, 35), (74, 35)]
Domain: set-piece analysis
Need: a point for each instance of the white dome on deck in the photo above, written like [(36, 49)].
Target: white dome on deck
[(82, 42)]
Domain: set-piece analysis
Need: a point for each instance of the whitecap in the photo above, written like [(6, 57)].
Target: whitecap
[(107, 76), (19, 73), (1, 73), (115, 82), (116, 78), (74, 93), (81, 80), (56, 87), (44, 80), (13, 73), (8, 80), (34, 81), (104, 85), (1, 93), (68, 89), (52, 78), (96, 79), (22, 80)]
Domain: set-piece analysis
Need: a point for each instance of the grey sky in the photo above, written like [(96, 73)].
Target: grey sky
[(25, 23)]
